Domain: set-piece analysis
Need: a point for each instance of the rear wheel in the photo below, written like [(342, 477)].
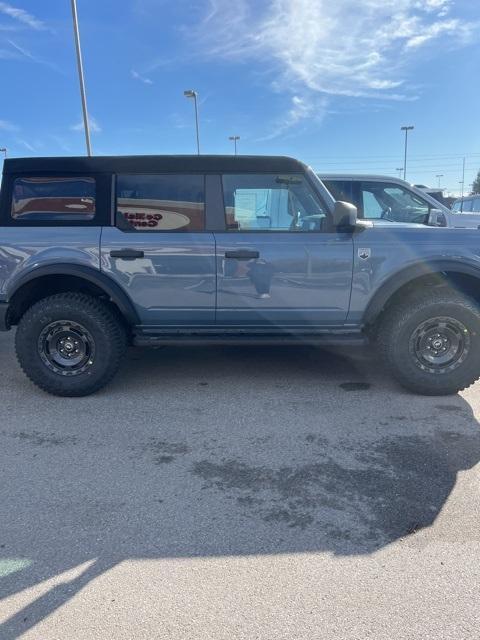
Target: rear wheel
[(431, 342), (70, 344)]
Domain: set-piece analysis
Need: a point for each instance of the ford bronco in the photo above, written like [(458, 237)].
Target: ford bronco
[(99, 253)]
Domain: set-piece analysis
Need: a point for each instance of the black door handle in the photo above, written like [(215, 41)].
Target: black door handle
[(242, 254), (127, 254)]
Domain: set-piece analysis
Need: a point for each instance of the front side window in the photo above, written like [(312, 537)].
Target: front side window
[(51, 199), (456, 206), (340, 189), (272, 202), (476, 205), (466, 206), (381, 200), (162, 202)]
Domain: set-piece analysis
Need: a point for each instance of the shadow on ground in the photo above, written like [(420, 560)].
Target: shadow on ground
[(233, 451)]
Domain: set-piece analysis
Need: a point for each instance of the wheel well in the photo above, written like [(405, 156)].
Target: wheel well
[(462, 283), (45, 286)]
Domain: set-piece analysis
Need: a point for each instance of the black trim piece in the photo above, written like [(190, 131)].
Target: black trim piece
[(214, 207), (389, 288), (108, 286), (4, 324), (199, 339)]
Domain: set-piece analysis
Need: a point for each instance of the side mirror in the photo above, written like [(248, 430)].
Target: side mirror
[(344, 215), (437, 218)]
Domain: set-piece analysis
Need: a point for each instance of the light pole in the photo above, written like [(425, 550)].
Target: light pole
[(81, 78), (234, 138), (4, 151), (406, 129), (190, 93), (439, 175), (400, 171)]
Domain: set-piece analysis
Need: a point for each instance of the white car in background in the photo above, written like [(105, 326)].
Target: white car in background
[(391, 199), (468, 204)]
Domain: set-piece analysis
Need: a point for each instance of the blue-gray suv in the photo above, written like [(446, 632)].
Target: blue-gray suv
[(99, 253)]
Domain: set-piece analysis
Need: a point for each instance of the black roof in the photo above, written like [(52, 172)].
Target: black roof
[(153, 164)]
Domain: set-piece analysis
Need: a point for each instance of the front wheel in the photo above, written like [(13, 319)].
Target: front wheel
[(431, 342), (70, 344)]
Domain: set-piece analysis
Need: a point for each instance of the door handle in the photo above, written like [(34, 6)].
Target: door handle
[(127, 254), (242, 254)]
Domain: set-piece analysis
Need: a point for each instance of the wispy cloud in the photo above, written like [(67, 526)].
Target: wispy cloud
[(22, 16), (94, 126), (137, 76), (301, 108), (9, 127), (319, 47)]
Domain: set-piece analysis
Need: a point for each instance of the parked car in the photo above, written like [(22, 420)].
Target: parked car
[(98, 253), (468, 204), (394, 200)]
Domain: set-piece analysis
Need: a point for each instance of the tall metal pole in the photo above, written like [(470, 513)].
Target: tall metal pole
[(81, 78), (463, 184), (406, 129), (4, 151), (439, 175), (196, 123), (400, 170), (191, 93), (234, 139)]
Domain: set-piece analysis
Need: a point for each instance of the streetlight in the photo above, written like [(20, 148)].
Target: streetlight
[(190, 93), (4, 151), (234, 138), (400, 171), (439, 175), (406, 129), (81, 78)]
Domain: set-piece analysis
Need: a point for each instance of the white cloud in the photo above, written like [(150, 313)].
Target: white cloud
[(347, 47), (137, 76), (21, 16), (302, 107), (94, 126), (7, 126)]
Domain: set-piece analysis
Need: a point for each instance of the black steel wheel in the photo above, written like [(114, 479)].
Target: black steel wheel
[(70, 344), (430, 341)]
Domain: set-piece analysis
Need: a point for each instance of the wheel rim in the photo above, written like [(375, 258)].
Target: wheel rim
[(440, 345), (66, 348)]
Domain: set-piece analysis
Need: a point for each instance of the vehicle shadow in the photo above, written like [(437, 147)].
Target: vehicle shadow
[(216, 452)]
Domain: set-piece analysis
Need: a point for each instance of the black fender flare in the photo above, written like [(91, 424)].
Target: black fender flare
[(90, 274), (403, 277)]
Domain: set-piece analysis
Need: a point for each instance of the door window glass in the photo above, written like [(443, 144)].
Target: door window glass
[(393, 202), (466, 206), (49, 199), (476, 205), (268, 202), (162, 202), (340, 189)]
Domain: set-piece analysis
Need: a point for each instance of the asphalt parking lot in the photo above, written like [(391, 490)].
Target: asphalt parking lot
[(271, 493)]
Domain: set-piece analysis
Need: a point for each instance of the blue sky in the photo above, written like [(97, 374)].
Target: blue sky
[(330, 82)]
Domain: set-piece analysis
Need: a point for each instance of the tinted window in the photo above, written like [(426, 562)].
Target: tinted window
[(162, 202), (476, 205), (58, 199), (456, 206), (466, 206), (256, 202), (340, 189), (392, 202)]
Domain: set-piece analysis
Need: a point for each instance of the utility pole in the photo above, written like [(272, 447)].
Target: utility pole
[(400, 171), (406, 129), (190, 93), (439, 175), (463, 184), (4, 151), (83, 94), (234, 138)]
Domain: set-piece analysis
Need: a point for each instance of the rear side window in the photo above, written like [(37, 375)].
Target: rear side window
[(476, 205), (162, 202), (340, 189), (47, 199), (466, 206)]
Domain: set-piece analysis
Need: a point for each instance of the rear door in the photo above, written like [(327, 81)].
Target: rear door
[(159, 252), (279, 263)]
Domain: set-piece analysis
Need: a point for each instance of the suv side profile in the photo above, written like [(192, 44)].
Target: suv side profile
[(394, 200), (99, 253), (468, 204)]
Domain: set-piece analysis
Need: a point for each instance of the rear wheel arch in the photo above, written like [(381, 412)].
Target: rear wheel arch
[(62, 278)]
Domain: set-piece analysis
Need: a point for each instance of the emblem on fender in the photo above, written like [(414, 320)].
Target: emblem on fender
[(364, 254)]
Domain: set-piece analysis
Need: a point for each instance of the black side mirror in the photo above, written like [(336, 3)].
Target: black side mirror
[(344, 215)]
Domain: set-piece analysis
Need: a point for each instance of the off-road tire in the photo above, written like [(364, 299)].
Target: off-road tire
[(100, 324), (398, 330)]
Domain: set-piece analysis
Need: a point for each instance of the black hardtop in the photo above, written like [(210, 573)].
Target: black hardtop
[(153, 164)]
